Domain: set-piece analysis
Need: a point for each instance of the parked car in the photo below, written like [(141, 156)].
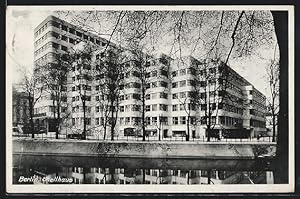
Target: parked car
[(74, 136)]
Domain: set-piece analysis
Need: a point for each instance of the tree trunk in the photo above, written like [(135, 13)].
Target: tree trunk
[(57, 120), (32, 125), (188, 129), (84, 120), (31, 118), (143, 112), (112, 129), (282, 155), (104, 128), (274, 126)]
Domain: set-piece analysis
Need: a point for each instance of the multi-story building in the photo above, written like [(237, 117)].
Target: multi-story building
[(181, 96), (54, 36)]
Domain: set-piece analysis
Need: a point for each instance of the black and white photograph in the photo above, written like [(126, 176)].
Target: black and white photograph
[(149, 99)]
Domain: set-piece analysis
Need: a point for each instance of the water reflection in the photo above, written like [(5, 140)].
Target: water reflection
[(33, 167)]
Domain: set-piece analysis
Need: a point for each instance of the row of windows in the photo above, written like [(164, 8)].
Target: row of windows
[(160, 95), (257, 104), (80, 121), (149, 120), (184, 72), (258, 96), (81, 87), (70, 30), (230, 121), (82, 77), (234, 88), (257, 123), (50, 45), (45, 59), (233, 109), (182, 120), (256, 113), (157, 84), (183, 83), (56, 36), (183, 107), (77, 109), (84, 97), (78, 67)]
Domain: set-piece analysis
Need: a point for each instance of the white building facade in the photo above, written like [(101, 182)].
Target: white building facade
[(171, 107)]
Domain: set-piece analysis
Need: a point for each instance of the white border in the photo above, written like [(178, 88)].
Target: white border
[(275, 188)]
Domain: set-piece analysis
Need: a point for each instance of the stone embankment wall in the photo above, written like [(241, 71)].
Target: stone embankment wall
[(140, 149)]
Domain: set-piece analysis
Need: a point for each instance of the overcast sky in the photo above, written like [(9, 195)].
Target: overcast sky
[(20, 48)]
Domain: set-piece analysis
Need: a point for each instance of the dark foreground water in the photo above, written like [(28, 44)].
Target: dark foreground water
[(30, 169)]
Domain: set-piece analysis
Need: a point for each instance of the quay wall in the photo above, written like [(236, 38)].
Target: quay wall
[(139, 149)]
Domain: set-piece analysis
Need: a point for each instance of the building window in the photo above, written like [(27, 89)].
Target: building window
[(154, 120), (202, 84), (154, 84), (212, 70), (121, 120), (154, 107), (163, 107), (127, 120), (182, 72), (175, 120), (182, 107), (65, 28), (174, 84), (182, 120), (97, 121), (122, 109), (175, 96), (164, 73), (174, 73), (154, 96), (148, 97), (64, 48), (182, 83), (64, 38), (174, 107), (154, 74), (88, 121), (182, 95), (148, 108), (163, 84), (148, 120), (163, 95)]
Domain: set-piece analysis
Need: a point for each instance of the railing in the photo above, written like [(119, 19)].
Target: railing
[(52, 135)]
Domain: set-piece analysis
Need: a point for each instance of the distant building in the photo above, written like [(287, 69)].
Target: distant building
[(20, 110)]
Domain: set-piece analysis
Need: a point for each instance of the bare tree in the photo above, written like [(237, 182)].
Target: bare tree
[(56, 82), (32, 86), (273, 106), (110, 71)]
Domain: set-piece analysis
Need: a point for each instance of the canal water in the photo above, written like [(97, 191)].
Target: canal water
[(33, 169)]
